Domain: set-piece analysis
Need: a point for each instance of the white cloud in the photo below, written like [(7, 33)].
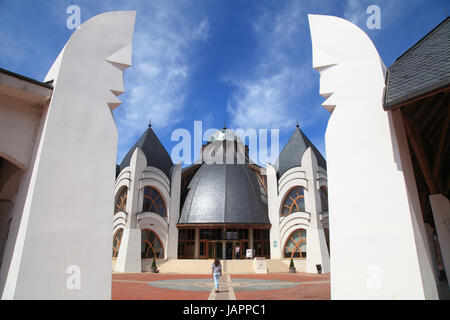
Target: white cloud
[(355, 11), (157, 83), (269, 97), (266, 100), (202, 30)]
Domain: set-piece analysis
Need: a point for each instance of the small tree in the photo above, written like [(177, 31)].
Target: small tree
[(154, 262), (292, 264)]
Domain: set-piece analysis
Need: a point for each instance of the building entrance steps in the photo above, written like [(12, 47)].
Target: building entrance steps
[(203, 266)]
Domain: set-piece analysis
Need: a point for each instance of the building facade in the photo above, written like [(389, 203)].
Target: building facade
[(222, 205)]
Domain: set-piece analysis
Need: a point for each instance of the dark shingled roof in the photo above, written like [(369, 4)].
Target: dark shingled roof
[(423, 68), (224, 193), (292, 153), (157, 156)]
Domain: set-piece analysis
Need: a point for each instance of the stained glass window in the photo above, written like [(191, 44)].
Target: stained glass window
[(151, 245), (153, 202), (121, 201), (295, 246), (116, 242), (294, 201)]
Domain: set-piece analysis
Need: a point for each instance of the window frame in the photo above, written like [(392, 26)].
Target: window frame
[(116, 247), (122, 195), (323, 192), (294, 201), (153, 201), (150, 245), (297, 244)]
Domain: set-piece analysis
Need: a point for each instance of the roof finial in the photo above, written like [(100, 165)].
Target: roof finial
[(224, 125), (298, 126), (150, 122)]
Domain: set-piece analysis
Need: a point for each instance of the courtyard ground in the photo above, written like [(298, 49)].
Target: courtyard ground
[(281, 286)]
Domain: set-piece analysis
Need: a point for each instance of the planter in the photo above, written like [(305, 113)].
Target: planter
[(154, 269), (319, 268), (292, 270)]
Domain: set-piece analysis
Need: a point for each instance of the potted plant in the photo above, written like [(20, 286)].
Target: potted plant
[(292, 266), (154, 267)]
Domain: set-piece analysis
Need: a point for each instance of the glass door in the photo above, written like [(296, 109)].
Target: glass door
[(229, 247), (219, 253), (203, 252)]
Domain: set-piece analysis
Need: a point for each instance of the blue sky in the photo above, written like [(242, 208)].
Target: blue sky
[(245, 62)]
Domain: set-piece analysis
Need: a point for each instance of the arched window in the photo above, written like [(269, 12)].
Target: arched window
[(116, 242), (153, 201), (294, 201), (327, 238), (151, 245), (295, 246), (121, 201), (324, 198)]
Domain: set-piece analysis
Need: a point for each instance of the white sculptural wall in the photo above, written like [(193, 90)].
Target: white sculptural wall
[(377, 247), (63, 246)]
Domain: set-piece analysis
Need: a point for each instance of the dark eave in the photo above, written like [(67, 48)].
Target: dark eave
[(422, 71), (48, 85)]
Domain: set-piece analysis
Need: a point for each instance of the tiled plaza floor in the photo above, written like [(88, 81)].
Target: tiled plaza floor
[(283, 286)]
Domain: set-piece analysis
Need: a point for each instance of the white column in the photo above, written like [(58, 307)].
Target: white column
[(224, 248), (174, 212), (273, 211), (316, 246), (441, 214)]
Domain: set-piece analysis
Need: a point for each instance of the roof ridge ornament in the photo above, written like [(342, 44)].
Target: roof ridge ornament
[(150, 122)]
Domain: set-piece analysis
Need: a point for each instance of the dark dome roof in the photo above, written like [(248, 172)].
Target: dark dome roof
[(292, 153), (157, 156), (224, 193)]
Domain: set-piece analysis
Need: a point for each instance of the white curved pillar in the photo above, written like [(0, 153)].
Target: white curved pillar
[(63, 245), (376, 230)]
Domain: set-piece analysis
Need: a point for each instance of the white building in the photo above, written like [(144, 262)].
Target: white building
[(387, 176), (206, 210)]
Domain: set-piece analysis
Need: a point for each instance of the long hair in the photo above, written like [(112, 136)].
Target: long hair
[(217, 262)]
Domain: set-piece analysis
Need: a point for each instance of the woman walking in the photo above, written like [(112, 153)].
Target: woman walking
[(216, 272)]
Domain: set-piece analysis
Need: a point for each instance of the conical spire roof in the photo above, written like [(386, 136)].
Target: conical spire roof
[(292, 153), (157, 156)]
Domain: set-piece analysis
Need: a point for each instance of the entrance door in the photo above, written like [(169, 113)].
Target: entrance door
[(203, 250), (237, 244), (211, 250), (229, 250), (214, 249), (219, 252)]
